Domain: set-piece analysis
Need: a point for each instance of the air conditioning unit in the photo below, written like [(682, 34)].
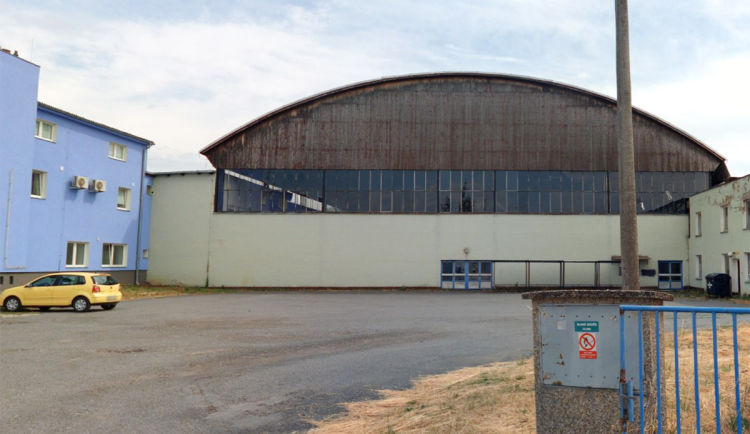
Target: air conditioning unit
[(80, 182), (98, 186)]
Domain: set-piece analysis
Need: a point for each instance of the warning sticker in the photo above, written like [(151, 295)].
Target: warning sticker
[(587, 345)]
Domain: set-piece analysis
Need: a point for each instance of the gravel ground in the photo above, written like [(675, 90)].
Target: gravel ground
[(255, 362), (249, 362)]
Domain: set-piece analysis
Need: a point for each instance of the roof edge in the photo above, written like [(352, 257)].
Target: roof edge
[(182, 173), (18, 57), (397, 78), (75, 117)]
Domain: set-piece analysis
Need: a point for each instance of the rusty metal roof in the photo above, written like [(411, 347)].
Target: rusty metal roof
[(440, 75)]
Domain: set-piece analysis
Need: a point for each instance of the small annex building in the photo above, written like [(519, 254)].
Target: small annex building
[(720, 234), (453, 180), (73, 193)]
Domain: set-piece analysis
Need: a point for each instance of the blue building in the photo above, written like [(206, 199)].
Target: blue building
[(74, 193)]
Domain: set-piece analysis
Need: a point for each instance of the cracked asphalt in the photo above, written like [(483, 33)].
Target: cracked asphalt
[(255, 362)]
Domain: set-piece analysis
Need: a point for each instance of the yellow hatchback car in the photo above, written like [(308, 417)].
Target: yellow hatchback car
[(77, 290)]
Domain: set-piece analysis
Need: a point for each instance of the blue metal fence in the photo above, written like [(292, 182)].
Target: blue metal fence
[(627, 394)]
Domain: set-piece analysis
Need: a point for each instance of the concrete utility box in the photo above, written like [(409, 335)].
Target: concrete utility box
[(577, 357), (581, 345)]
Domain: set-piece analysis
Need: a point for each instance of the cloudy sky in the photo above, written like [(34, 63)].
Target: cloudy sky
[(183, 73)]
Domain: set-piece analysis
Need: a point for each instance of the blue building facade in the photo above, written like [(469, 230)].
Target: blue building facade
[(74, 195)]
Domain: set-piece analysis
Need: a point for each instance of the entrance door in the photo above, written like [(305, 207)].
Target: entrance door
[(466, 275), (670, 274), (734, 271)]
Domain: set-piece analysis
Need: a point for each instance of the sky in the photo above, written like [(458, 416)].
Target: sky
[(184, 73)]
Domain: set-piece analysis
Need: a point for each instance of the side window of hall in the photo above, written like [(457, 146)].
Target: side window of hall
[(552, 192), (381, 191), (450, 191)]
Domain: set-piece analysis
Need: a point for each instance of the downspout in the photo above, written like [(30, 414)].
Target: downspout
[(7, 224), (140, 212)]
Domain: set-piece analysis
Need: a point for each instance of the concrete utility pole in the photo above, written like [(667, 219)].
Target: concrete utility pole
[(628, 212)]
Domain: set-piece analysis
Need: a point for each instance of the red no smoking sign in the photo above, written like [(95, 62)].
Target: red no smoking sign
[(587, 346)]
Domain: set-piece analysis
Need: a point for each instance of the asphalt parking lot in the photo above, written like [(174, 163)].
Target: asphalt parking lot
[(248, 362)]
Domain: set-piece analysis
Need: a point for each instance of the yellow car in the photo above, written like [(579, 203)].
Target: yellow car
[(77, 290)]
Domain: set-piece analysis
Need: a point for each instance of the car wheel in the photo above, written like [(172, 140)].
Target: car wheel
[(12, 304), (109, 306), (81, 304), (45, 309)]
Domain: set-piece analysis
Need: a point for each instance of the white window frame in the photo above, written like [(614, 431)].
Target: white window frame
[(113, 147), (747, 214), (76, 246), (126, 206), (724, 217), (40, 130), (108, 254), (698, 267), (698, 224), (42, 184)]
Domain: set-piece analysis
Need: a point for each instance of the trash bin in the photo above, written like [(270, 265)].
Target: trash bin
[(719, 284)]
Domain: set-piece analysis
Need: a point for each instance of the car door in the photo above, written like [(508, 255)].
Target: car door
[(67, 287), (39, 292)]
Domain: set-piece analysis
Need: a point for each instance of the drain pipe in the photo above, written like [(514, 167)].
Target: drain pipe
[(140, 213), (7, 224)]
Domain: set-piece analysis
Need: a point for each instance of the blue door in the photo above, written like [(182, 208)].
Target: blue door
[(670, 275), (466, 275)]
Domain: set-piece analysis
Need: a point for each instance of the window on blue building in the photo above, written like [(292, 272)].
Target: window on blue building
[(114, 255), (77, 255), (46, 130), (123, 199), (38, 184), (118, 152)]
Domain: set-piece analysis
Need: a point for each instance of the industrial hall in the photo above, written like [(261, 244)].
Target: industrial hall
[(445, 180)]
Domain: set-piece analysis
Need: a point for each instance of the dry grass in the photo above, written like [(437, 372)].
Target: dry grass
[(706, 380), (499, 398), (134, 292)]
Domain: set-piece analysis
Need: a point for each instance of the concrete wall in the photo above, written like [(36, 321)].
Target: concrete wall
[(192, 245), (712, 242), (180, 224), (18, 95)]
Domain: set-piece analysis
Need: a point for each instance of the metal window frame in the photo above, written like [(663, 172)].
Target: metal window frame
[(466, 274), (588, 198), (659, 274)]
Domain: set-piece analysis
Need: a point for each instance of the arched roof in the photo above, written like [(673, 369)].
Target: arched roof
[(573, 119)]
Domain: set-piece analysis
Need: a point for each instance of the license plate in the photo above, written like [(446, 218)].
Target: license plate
[(111, 298)]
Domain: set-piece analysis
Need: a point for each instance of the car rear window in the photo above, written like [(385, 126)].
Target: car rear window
[(104, 280)]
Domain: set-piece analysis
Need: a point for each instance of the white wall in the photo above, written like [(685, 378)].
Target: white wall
[(712, 242), (180, 219), (339, 250)]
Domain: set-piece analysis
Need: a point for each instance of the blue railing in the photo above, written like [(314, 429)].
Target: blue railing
[(626, 388)]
